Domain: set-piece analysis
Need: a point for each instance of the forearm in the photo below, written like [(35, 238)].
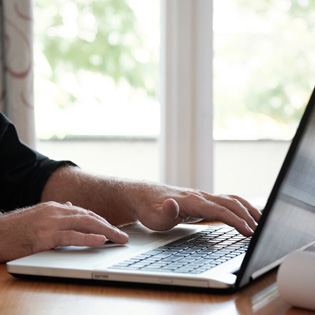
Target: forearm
[(111, 198)]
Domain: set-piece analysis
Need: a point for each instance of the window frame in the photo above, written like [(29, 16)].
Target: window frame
[(186, 94)]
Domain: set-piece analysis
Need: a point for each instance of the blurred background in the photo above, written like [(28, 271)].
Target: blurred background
[(97, 77)]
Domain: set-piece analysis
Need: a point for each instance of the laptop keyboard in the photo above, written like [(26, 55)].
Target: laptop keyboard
[(194, 254)]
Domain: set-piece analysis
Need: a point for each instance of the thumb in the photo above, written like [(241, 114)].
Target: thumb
[(170, 213), (163, 217)]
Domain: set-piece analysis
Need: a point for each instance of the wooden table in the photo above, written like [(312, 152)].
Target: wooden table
[(22, 297)]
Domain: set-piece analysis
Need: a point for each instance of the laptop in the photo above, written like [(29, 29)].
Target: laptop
[(213, 257)]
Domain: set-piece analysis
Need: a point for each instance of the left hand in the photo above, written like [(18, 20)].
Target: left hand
[(50, 224)]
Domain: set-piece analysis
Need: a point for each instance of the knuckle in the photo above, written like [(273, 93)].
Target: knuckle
[(233, 201), (233, 196), (56, 239), (50, 206), (193, 195), (89, 219), (220, 213), (236, 202)]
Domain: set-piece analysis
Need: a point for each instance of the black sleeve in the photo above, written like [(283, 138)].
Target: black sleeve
[(23, 171)]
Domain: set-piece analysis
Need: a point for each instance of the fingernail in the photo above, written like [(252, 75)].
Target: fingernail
[(123, 233), (249, 229), (125, 237), (120, 231)]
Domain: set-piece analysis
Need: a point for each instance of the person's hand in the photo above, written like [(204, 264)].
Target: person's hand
[(163, 207), (50, 224)]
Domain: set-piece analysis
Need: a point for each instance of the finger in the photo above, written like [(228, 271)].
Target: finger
[(256, 214), (75, 210), (235, 206), (226, 216), (69, 209), (113, 233), (211, 209), (74, 238), (87, 221)]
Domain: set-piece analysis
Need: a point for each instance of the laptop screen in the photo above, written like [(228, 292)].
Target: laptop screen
[(288, 222)]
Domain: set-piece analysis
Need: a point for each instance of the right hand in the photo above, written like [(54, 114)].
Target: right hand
[(48, 225), (169, 206)]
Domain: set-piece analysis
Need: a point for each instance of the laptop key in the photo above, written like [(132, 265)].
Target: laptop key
[(194, 254)]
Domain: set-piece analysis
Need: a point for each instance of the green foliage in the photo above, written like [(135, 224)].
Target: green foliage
[(275, 57), (100, 36)]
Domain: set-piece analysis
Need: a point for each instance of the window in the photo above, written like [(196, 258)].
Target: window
[(101, 58), (263, 72), (96, 69), (96, 82), (264, 67)]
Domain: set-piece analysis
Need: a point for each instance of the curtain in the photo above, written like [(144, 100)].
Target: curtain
[(16, 69)]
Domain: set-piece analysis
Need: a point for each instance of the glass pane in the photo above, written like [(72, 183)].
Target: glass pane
[(264, 66), (96, 68)]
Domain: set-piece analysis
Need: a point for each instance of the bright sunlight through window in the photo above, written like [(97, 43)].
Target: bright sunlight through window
[(96, 68)]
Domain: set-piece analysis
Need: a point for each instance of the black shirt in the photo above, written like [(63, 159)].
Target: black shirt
[(23, 171)]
